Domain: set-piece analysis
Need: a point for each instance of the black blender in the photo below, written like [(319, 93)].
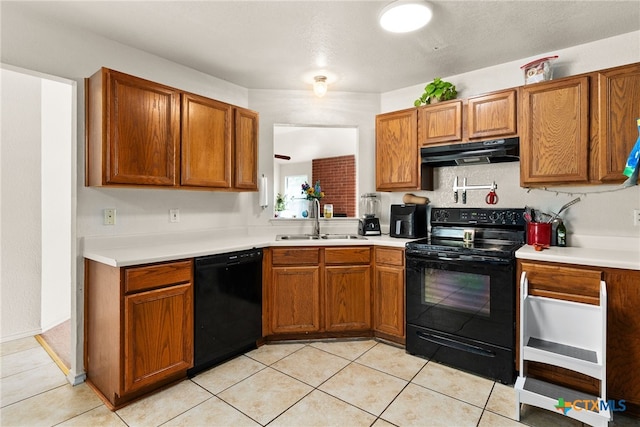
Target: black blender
[(369, 224)]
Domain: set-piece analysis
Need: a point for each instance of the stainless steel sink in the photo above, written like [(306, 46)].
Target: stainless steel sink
[(322, 236), (343, 237), (297, 237)]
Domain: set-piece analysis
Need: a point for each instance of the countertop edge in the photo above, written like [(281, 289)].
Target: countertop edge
[(623, 259), (172, 251), (128, 252)]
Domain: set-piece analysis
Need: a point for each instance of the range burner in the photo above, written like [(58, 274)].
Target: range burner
[(489, 232)]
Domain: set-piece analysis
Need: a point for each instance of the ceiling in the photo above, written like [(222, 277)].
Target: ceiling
[(319, 142), (283, 44)]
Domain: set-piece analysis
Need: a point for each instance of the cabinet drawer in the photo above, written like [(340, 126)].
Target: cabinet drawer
[(360, 255), (563, 282), (295, 256), (390, 256), (153, 276)]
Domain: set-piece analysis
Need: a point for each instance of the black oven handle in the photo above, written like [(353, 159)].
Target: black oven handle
[(447, 258), (420, 256), (447, 342)]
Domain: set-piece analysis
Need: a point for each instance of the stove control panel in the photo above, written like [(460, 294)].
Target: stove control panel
[(471, 216)]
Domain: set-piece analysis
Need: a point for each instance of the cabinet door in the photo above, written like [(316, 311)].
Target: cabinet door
[(492, 115), (441, 122), (295, 304), (397, 157), (388, 301), (348, 297), (246, 149), (206, 142), (554, 136), (623, 339), (142, 134), (158, 331), (618, 109)]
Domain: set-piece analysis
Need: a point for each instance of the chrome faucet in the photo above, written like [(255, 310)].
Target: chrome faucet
[(316, 224)]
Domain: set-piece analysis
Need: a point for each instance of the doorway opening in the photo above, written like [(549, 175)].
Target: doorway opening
[(39, 211)]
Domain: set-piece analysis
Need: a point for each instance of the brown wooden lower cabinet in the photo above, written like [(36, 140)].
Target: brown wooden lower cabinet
[(623, 326), (347, 289), (295, 299), (320, 292), (138, 327), (388, 294)]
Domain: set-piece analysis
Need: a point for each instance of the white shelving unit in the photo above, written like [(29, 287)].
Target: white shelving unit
[(570, 335)]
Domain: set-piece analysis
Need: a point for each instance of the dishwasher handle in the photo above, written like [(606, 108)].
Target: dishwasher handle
[(230, 258)]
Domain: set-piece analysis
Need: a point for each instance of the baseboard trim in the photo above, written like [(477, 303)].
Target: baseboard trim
[(27, 334)]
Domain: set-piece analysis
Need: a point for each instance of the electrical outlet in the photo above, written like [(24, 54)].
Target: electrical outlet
[(110, 216), (636, 217), (174, 215)]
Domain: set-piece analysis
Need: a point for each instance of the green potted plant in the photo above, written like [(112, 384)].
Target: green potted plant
[(437, 90), (280, 202)]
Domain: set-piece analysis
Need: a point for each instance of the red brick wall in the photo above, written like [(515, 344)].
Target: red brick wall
[(337, 177)]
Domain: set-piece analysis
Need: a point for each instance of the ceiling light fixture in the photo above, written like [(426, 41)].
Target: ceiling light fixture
[(403, 16), (320, 86)]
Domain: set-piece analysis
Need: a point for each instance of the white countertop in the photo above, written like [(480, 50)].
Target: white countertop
[(122, 251), (612, 253)]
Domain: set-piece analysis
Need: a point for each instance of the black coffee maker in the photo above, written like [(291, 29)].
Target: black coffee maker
[(369, 224)]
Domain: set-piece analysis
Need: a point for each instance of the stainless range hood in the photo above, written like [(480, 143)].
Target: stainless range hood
[(494, 151), (470, 153)]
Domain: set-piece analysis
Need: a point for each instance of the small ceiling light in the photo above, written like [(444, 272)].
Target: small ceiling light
[(403, 16), (320, 86)]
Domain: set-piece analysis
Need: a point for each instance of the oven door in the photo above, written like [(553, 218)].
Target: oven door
[(472, 297)]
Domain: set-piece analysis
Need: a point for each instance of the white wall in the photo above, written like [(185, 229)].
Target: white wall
[(57, 181), (21, 207), (605, 210), (606, 53), (33, 43), (42, 45), (36, 203)]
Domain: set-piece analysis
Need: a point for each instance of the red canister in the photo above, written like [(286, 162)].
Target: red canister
[(539, 233)]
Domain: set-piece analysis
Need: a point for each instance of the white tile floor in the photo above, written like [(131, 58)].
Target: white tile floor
[(327, 383)]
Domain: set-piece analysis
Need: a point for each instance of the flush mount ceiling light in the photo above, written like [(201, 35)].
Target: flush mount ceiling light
[(403, 16), (320, 86)]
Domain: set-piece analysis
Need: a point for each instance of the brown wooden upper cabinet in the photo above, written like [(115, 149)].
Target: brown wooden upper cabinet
[(246, 149), (400, 134), (397, 159), (441, 122), (133, 131), (147, 134), (579, 130), (492, 115), (614, 121), (206, 142), (554, 132)]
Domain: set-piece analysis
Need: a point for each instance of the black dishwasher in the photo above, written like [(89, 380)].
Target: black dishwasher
[(227, 306)]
